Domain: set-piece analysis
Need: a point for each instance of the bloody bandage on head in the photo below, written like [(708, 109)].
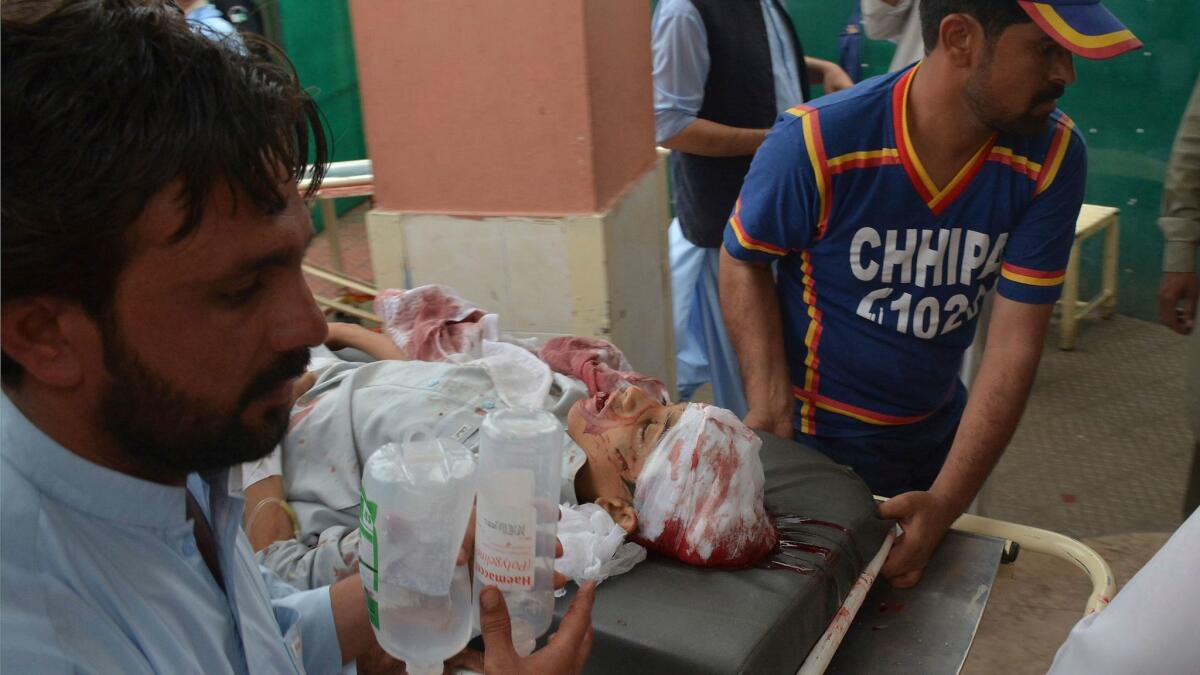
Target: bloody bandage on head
[(699, 496)]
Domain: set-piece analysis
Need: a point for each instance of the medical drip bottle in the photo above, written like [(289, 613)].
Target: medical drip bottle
[(516, 517)]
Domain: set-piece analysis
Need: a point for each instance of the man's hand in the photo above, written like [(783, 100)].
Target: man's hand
[(565, 655), (924, 517), (827, 74), (836, 79), (778, 423), (1177, 294)]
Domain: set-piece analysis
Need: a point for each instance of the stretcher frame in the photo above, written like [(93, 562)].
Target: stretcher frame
[(1026, 537)]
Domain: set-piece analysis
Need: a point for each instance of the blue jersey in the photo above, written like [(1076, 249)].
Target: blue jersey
[(881, 274)]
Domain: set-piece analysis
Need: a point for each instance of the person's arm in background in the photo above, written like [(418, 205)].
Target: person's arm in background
[(1180, 224), (827, 74), (679, 46), (885, 19), (376, 345)]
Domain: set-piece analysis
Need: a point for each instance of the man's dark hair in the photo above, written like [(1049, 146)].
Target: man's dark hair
[(993, 15), (106, 103)]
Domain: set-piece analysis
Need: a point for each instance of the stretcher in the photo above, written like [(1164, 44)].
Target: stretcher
[(663, 617)]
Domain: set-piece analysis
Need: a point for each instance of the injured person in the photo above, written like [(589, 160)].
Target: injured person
[(684, 480)]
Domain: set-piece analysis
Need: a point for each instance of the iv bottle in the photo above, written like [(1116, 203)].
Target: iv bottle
[(516, 517), (416, 503)]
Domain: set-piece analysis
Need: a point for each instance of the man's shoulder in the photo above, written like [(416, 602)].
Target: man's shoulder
[(1059, 135), (851, 116)]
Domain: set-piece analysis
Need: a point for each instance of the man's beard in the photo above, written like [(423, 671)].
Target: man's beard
[(165, 430), (980, 97)]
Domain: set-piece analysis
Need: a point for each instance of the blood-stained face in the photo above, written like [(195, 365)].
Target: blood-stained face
[(617, 432), (686, 480)]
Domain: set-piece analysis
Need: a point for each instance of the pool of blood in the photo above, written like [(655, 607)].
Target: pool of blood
[(799, 535)]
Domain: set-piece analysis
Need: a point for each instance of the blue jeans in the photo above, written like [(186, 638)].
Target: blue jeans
[(901, 458)]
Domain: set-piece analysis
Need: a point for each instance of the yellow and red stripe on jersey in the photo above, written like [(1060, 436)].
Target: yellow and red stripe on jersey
[(744, 238), (937, 200), (1054, 156), (863, 159), (812, 341), (1032, 277), (815, 144), (1019, 163), (861, 414)]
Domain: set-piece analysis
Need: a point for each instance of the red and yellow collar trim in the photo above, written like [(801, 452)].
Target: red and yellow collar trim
[(937, 200)]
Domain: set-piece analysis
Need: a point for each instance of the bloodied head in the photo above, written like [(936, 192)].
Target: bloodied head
[(684, 479)]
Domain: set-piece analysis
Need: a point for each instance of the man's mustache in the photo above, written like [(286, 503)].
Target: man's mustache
[(1051, 94), (289, 365)]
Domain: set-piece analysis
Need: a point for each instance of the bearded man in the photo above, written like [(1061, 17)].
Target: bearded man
[(155, 320)]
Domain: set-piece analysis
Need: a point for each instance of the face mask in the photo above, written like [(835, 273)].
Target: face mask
[(699, 497)]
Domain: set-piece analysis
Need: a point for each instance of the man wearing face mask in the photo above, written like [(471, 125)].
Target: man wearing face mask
[(891, 210)]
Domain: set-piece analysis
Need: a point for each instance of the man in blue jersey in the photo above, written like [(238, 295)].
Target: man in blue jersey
[(892, 208)]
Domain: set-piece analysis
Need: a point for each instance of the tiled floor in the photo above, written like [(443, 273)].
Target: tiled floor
[(1101, 455)]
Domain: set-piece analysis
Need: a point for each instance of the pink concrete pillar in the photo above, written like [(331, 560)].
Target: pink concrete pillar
[(512, 143), (529, 107)]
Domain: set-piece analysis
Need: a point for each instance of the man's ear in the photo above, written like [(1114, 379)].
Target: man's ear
[(958, 36), (45, 335), (622, 512)]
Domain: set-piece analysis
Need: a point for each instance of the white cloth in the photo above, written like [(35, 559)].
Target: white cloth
[(1150, 627), (900, 24), (699, 497), (352, 410), (594, 546)]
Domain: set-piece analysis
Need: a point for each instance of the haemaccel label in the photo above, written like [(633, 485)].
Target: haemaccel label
[(505, 529)]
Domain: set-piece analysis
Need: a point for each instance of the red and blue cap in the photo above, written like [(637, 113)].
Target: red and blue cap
[(1084, 27)]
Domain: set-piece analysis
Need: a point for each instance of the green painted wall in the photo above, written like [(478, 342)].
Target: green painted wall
[(1128, 109), (317, 37)]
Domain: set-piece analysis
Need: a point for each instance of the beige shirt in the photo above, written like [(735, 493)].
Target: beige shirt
[(1180, 220)]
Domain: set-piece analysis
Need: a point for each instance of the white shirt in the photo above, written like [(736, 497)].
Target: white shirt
[(100, 574), (900, 24), (1152, 626)]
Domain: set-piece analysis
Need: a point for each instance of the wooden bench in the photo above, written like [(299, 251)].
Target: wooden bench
[(1092, 221)]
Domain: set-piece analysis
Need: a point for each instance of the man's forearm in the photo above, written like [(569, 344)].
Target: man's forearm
[(712, 139), (349, 604), (995, 404), (750, 305)]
